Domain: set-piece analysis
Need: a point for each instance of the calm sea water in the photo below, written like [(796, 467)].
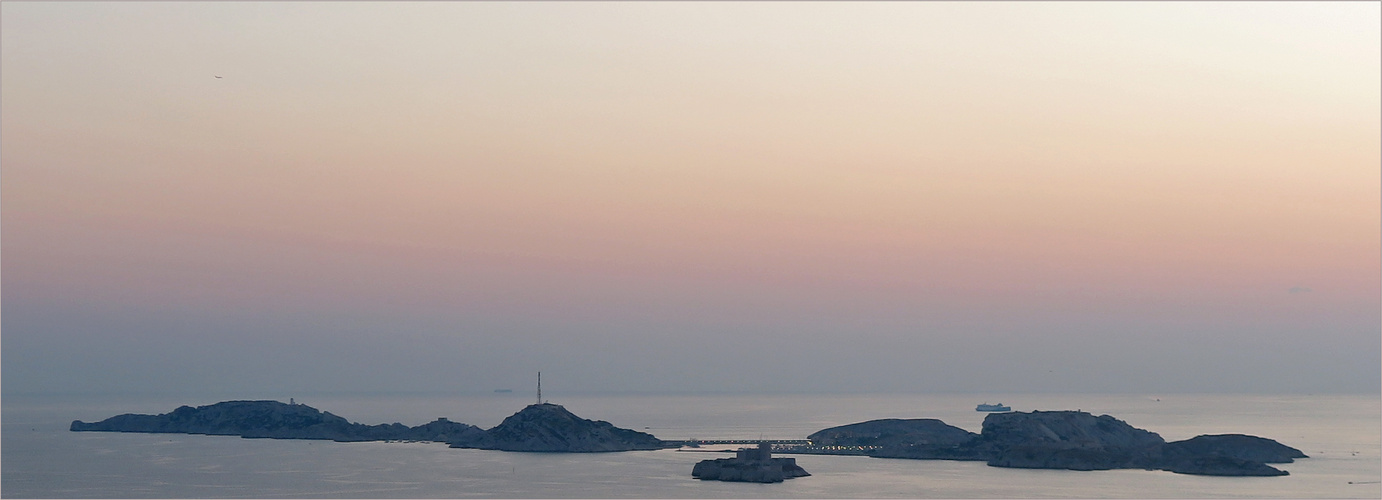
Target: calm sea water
[(41, 458)]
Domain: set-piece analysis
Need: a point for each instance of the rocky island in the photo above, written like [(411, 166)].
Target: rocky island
[(915, 434), (754, 465), (539, 427), (276, 420), (551, 428), (1072, 440)]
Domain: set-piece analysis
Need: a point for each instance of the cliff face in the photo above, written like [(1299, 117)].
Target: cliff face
[(551, 428), (272, 419)]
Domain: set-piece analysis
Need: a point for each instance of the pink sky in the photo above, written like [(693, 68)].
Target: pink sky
[(933, 172)]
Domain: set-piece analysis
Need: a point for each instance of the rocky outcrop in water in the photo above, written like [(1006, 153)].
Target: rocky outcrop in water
[(1080, 441), (754, 465), (1239, 446), (1226, 455), (551, 428), (1064, 440), (1077, 440), (918, 438), (891, 432), (276, 420)]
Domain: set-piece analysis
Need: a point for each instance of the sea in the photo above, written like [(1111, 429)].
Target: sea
[(41, 458)]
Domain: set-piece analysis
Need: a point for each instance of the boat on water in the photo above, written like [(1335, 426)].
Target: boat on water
[(989, 407), (503, 390)]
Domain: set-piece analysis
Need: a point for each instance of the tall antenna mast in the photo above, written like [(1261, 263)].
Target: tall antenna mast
[(539, 387)]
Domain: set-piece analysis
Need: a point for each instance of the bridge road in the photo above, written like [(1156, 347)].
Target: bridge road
[(702, 442)]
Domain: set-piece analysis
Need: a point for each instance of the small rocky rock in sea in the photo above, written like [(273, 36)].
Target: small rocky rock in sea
[(754, 465)]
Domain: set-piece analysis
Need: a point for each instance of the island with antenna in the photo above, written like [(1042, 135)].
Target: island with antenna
[(540, 427)]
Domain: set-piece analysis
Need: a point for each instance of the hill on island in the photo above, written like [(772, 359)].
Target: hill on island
[(549, 427)]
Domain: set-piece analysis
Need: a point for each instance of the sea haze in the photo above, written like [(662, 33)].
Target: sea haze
[(43, 459)]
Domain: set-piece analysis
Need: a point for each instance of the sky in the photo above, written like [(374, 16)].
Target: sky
[(266, 198)]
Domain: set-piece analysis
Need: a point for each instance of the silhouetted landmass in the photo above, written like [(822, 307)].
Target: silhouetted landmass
[(1071, 440), (892, 431), (922, 438), (1064, 440), (1218, 454), (754, 465), (540, 427), (1238, 446), (276, 420), (551, 428)]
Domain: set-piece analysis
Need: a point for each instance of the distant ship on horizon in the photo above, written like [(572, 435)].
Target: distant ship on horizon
[(503, 390), (989, 407)]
